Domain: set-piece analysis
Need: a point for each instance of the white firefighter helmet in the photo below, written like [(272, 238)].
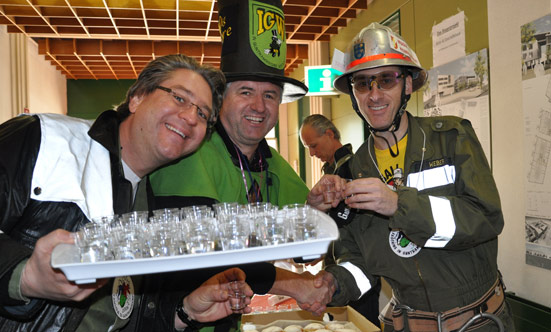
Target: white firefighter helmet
[(377, 46)]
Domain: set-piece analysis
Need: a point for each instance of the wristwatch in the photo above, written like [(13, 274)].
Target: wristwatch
[(192, 325)]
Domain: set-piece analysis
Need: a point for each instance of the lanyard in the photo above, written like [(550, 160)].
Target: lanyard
[(244, 160)]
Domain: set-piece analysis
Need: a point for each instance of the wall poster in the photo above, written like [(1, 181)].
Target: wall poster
[(536, 105), (460, 88), (448, 39)]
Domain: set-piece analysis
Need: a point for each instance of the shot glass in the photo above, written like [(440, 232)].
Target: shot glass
[(128, 249), (234, 235), (305, 230), (225, 208), (133, 218), (93, 243), (259, 208), (167, 215), (200, 238), (329, 193), (302, 222), (271, 230), (237, 296), (196, 212)]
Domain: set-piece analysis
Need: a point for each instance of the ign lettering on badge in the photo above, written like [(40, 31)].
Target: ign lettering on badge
[(267, 34)]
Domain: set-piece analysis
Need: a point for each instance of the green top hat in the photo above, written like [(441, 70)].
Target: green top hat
[(254, 44)]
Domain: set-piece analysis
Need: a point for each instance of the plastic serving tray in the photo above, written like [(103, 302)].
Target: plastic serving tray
[(66, 257)]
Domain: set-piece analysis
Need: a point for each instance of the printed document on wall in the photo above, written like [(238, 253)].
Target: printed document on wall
[(448, 39)]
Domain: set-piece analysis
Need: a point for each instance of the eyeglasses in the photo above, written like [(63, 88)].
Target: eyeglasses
[(185, 103), (385, 80)]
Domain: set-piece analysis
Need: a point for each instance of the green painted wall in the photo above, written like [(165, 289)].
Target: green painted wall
[(86, 99)]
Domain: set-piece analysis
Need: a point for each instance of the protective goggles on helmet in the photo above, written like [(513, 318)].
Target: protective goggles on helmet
[(385, 80)]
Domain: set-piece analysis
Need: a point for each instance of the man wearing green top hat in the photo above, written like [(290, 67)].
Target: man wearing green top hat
[(236, 164)]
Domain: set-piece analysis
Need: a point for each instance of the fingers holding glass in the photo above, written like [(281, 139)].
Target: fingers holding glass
[(329, 192), (237, 296), (332, 187)]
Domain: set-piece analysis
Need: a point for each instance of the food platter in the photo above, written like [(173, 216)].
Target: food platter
[(66, 257)]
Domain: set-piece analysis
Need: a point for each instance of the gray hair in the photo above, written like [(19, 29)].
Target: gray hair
[(320, 124), (161, 68)]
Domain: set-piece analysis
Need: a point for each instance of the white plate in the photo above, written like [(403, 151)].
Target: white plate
[(66, 257)]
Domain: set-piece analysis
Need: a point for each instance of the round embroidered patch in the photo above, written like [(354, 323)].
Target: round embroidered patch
[(123, 297), (401, 245)]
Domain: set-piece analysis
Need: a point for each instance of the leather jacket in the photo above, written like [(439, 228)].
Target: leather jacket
[(24, 220)]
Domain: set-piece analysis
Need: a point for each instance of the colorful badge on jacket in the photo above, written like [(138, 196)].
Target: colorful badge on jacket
[(123, 297), (401, 245)]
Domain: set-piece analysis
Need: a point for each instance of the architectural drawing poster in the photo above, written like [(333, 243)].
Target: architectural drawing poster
[(536, 106), (460, 88)]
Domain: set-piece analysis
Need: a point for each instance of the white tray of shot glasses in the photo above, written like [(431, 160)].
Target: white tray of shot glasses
[(180, 239)]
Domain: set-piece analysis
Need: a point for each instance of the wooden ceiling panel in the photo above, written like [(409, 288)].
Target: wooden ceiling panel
[(137, 48), (343, 3), (18, 10), (333, 12), (100, 21), (306, 3), (115, 39), (296, 11), (27, 20), (33, 29), (67, 12), (165, 47), (107, 30), (166, 24)]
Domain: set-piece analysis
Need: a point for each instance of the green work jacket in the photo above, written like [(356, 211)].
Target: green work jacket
[(439, 250)]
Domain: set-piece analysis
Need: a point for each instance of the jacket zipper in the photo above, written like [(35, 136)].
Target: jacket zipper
[(422, 283)]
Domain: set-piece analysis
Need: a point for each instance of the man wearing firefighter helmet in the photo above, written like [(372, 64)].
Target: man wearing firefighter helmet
[(427, 208)]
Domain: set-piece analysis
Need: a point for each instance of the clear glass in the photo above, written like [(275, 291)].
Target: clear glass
[(329, 193), (193, 230), (237, 295)]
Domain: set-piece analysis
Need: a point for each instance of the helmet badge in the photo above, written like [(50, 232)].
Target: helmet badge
[(359, 50)]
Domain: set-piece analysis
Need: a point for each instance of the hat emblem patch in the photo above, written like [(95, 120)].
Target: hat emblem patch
[(267, 34)]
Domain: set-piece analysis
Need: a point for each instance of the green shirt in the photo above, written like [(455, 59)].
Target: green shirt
[(210, 172)]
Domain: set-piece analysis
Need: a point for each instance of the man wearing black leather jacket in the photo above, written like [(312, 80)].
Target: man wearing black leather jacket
[(54, 179)]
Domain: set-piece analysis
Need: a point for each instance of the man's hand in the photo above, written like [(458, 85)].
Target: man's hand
[(211, 301), (312, 292), (40, 280), (316, 195), (371, 194), (315, 299)]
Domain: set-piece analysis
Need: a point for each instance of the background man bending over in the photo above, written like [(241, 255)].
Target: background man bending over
[(323, 140)]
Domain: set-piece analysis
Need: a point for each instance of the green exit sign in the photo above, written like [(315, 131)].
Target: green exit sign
[(319, 80)]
